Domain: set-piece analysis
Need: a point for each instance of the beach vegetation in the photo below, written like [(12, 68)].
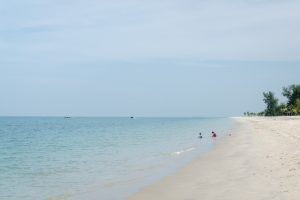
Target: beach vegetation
[(274, 108), (292, 93), (251, 114), (272, 104)]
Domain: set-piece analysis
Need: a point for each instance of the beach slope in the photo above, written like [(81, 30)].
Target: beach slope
[(260, 160)]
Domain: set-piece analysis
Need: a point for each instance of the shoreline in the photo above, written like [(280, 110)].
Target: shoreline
[(260, 160)]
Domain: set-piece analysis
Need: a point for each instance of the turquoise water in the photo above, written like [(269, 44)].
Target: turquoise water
[(96, 158)]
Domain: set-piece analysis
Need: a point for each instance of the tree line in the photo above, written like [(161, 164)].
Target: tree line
[(274, 108)]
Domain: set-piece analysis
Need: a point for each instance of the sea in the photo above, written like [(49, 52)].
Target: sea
[(97, 158)]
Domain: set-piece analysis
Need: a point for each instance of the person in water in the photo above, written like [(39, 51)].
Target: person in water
[(213, 134), (200, 135)]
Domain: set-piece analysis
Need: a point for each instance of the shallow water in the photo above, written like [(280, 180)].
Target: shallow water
[(96, 158)]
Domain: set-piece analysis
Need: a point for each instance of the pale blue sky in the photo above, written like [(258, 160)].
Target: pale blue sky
[(145, 58)]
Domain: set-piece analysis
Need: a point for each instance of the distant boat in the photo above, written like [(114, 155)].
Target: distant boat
[(131, 117), (67, 117)]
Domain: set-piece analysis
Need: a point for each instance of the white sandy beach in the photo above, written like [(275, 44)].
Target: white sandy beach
[(260, 160)]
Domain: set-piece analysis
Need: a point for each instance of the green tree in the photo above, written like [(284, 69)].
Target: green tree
[(292, 93), (282, 109), (297, 106), (272, 104)]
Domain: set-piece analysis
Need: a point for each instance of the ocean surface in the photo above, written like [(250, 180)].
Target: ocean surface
[(55, 158)]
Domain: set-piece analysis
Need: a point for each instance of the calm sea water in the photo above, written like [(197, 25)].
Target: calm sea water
[(96, 158)]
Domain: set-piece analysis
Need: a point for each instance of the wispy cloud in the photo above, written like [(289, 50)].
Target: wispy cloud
[(72, 31)]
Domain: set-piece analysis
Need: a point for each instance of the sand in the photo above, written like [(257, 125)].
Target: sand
[(260, 160)]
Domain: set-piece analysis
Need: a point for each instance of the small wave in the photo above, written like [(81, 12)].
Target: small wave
[(183, 151)]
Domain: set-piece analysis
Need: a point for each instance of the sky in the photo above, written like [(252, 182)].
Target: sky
[(145, 58)]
